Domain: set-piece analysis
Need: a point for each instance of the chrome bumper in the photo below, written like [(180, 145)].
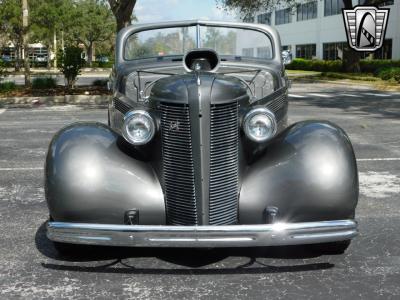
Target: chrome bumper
[(277, 234)]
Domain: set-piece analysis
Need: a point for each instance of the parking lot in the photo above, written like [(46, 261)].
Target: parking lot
[(370, 269)]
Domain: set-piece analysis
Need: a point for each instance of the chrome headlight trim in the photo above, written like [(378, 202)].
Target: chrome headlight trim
[(150, 126), (260, 111)]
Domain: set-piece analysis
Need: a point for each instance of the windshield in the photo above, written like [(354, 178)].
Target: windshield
[(226, 41)]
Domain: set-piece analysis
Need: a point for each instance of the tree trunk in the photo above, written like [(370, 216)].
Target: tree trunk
[(351, 58), (122, 10), (25, 15), (48, 57), (17, 59), (351, 61), (55, 48), (90, 54)]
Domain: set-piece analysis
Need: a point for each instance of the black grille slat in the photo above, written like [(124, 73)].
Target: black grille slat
[(178, 165), (224, 148), (121, 106)]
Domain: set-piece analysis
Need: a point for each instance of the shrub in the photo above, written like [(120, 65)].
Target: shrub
[(3, 71), (71, 63), (44, 83), (100, 82), (389, 73), (366, 66), (7, 86), (315, 65)]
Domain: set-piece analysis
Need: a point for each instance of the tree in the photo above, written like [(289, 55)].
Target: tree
[(11, 26), (93, 23), (48, 19), (247, 8), (122, 10), (71, 63)]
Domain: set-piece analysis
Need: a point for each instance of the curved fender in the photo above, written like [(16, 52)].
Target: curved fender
[(90, 179), (308, 172)]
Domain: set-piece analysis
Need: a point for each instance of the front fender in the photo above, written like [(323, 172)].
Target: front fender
[(90, 178), (308, 172)]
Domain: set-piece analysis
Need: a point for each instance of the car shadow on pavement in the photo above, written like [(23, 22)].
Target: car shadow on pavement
[(104, 259)]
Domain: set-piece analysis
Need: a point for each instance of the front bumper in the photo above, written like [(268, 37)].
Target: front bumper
[(277, 234)]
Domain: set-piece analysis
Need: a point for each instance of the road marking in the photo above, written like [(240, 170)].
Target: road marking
[(350, 95), (296, 96), (321, 95), (377, 95), (21, 169), (380, 159), (2, 110)]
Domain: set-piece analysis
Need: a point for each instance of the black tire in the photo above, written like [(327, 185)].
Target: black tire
[(333, 248)]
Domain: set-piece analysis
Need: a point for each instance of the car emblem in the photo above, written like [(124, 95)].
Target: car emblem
[(174, 126), (365, 27)]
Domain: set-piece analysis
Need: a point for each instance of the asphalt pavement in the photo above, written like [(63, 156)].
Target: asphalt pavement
[(31, 268)]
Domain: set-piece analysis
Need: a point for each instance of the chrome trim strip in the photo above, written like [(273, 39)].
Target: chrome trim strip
[(277, 234)]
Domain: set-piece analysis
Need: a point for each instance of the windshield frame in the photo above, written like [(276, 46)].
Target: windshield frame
[(123, 37)]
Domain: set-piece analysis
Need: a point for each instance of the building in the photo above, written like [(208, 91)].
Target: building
[(37, 52), (315, 29)]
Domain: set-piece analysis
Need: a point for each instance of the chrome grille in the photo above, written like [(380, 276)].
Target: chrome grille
[(224, 149), (178, 168)]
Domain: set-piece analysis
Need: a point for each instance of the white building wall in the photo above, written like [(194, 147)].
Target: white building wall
[(331, 29)]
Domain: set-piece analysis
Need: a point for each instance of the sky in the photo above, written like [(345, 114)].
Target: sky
[(171, 10)]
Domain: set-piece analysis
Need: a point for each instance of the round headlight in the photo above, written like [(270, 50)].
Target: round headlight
[(139, 127), (260, 124)]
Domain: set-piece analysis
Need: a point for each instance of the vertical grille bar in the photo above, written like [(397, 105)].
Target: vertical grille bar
[(224, 173), (178, 165)]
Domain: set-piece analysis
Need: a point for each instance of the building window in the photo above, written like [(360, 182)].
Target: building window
[(307, 51), (382, 53), (380, 4), (283, 16), (249, 52), (264, 52), (333, 51), (264, 19), (307, 11), (333, 7), (287, 47)]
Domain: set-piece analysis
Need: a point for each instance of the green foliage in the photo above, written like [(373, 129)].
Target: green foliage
[(10, 19), (389, 73), (94, 23), (44, 83), (3, 71), (7, 86), (315, 65), (71, 63), (100, 82), (367, 66)]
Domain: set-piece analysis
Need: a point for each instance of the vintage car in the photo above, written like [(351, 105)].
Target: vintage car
[(197, 151)]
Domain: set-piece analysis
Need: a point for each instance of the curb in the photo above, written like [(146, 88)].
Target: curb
[(55, 100)]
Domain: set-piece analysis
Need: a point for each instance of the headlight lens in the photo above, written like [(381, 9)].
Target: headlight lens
[(260, 125), (139, 127)]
